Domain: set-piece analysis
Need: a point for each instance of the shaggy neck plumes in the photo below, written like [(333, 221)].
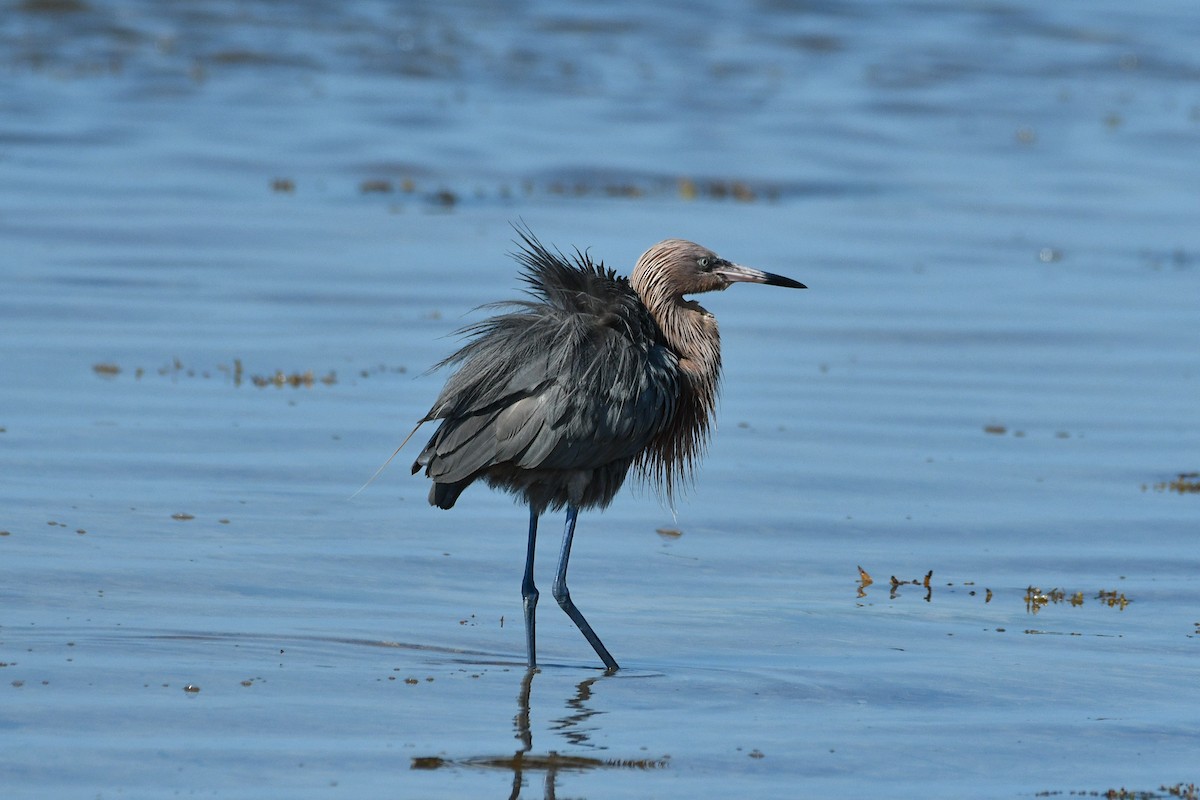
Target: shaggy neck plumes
[(660, 280), (691, 332)]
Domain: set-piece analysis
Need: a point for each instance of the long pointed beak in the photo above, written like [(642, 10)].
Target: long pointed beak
[(736, 272)]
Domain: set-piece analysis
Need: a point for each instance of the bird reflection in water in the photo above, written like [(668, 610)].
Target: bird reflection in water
[(524, 761)]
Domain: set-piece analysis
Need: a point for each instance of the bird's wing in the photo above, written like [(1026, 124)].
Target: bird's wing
[(585, 419), (543, 389)]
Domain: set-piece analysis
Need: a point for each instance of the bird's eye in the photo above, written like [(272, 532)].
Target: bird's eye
[(703, 262)]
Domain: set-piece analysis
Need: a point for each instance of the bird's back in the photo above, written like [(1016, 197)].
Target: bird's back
[(557, 397)]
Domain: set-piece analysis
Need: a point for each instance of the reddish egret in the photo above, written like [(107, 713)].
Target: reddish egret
[(556, 399)]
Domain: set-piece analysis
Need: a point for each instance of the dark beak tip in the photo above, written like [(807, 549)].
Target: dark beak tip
[(787, 283)]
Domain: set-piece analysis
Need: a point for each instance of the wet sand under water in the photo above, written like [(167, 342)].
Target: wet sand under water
[(236, 237)]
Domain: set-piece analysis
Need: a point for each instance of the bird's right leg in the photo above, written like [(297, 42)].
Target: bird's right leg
[(563, 595), (529, 592)]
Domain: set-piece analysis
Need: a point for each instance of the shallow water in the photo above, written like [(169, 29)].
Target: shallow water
[(235, 235)]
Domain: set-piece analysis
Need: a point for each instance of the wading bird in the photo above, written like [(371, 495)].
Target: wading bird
[(556, 399)]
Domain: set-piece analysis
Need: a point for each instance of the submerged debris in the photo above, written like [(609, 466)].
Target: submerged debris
[(293, 379), (376, 186), (1036, 599), (625, 187), (236, 374), (1184, 483), (1112, 599), (897, 583), (1185, 791)]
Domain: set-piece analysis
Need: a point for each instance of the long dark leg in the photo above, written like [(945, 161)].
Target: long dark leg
[(563, 596), (529, 592)]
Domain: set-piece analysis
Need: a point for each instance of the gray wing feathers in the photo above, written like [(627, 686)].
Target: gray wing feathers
[(582, 402), (577, 378)]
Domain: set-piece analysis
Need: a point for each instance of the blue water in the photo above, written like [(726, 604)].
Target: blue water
[(992, 377)]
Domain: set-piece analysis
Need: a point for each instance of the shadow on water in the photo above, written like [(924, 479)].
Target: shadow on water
[(572, 727)]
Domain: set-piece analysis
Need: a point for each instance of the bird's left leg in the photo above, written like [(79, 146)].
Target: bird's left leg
[(563, 596), (529, 592)]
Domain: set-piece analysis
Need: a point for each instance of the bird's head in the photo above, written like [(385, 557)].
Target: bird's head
[(674, 268)]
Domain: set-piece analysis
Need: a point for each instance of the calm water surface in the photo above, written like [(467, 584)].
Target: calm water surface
[(233, 237)]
